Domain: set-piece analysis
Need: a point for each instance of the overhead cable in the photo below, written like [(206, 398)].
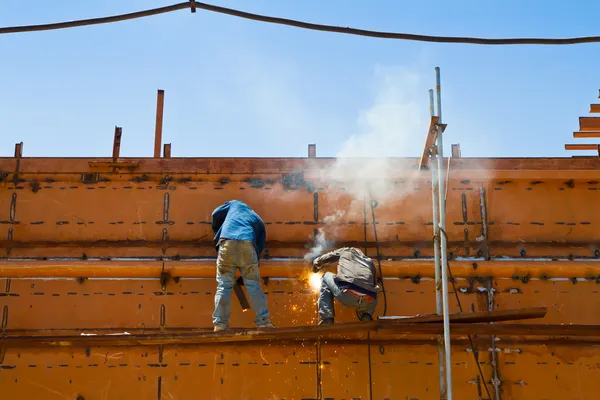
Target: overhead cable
[(300, 24)]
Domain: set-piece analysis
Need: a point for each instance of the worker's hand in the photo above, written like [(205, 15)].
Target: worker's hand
[(315, 266)]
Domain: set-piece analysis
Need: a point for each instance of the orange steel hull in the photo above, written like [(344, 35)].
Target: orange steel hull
[(84, 244)]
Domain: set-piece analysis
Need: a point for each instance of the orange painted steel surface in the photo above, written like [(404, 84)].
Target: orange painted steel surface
[(295, 268), (589, 123), (147, 214), (586, 134), (581, 146), (59, 217)]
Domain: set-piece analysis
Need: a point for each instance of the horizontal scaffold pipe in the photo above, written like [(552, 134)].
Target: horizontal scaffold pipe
[(294, 268)]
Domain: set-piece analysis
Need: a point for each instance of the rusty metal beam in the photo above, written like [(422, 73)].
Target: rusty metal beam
[(586, 134), (167, 150), (517, 332), (578, 146), (594, 108), (415, 335), (407, 325), (463, 168), (589, 123), (160, 102), (19, 150), (117, 143)]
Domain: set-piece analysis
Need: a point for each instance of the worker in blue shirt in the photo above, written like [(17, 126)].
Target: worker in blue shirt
[(240, 237)]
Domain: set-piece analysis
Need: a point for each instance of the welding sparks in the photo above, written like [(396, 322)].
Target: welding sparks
[(314, 280)]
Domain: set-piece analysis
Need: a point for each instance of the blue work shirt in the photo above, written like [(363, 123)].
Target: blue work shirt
[(236, 221)]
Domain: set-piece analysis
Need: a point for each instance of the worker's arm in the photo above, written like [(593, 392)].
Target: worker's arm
[(325, 259), (218, 216), (261, 238)]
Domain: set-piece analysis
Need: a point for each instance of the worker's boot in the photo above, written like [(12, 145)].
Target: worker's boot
[(364, 317), (326, 321), (267, 324), (220, 328)]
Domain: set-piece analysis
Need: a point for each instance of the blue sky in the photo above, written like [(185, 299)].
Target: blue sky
[(241, 88)]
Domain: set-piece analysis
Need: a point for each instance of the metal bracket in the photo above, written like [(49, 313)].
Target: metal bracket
[(165, 277), (435, 128)]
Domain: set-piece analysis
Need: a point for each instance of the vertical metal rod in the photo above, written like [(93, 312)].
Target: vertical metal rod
[(160, 102), (443, 239), (19, 150), (438, 92), (484, 222), (431, 110), (117, 143), (436, 252), (167, 150), (438, 280), (494, 356)]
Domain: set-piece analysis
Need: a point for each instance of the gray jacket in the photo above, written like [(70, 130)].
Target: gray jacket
[(353, 267)]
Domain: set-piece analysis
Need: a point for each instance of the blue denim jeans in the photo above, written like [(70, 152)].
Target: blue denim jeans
[(238, 254), (330, 290)]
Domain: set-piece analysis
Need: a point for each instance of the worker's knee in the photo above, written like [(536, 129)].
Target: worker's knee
[(252, 285), (224, 283)]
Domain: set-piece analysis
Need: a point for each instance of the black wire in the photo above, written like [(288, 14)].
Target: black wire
[(299, 24), (357, 313), (378, 254), (319, 372), (365, 237), (487, 390), (365, 222), (370, 372)]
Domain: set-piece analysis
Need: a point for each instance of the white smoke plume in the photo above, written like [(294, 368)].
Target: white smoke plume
[(321, 242), (334, 217), (393, 126)]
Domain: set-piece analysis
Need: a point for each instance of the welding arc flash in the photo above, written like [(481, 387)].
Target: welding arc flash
[(315, 281)]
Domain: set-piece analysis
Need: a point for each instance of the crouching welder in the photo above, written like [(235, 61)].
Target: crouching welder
[(354, 285), (240, 237)]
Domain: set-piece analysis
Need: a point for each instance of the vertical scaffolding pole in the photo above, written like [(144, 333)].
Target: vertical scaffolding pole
[(443, 239), (436, 252)]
